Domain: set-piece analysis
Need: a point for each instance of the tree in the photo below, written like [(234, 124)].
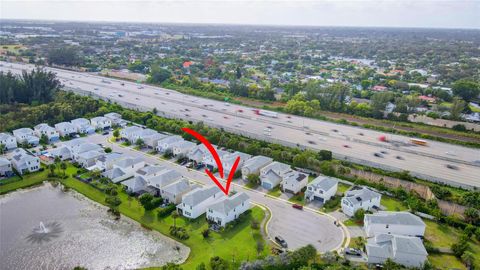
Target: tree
[(466, 89), (116, 133), (253, 180), (52, 167), (359, 215), (201, 266), (171, 266), (471, 215), (175, 215), (379, 101), (389, 264), (260, 246), (63, 166), (457, 108), (2, 148), (140, 142), (324, 155), (468, 258), (149, 202), (206, 233), (67, 56), (460, 247), (108, 150), (159, 74), (217, 263)]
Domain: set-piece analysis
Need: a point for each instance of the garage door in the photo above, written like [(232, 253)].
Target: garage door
[(266, 185), (318, 198)]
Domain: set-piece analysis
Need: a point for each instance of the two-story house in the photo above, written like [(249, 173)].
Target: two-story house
[(322, 188), (228, 209)]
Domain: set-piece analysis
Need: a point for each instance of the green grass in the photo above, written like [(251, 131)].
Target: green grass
[(351, 222), (342, 188), (298, 198), (392, 204), (332, 204), (441, 235), (27, 181), (10, 180), (445, 261), (276, 192)]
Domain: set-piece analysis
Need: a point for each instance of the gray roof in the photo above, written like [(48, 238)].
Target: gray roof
[(128, 161), (90, 154), (360, 194), (149, 170), (20, 154), (5, 136), (324, 182), (170, 139), (110, 156), (99, 118), (386, 217), (86, 147), (229, 203), (276, 166), (135, 184), (63, 125), (199, 195), (184, 144), (80, 121), (21, 131), (387, 245), (164, 178), (4, 161), (113, 173), (113, 115), (178, 187), (257, 162), (44, 126), (294, 176), (75, 142)]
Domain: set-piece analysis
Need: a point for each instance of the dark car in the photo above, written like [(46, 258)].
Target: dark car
[(105, 133), (399, 157), (297, 206), (199, 166), (378, 155), (281, 241), (353, 252), (452, 167)]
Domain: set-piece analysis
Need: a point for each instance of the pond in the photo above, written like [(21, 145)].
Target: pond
[(46, 228)]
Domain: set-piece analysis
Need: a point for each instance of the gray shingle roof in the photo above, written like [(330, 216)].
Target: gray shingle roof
[(150, 170), (385, 217), (387, 245), (229, 203), (164, 178), (360, 194), (257, 162), (199, 195), (324, 182)]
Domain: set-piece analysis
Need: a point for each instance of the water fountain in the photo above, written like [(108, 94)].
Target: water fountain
[(45, 232)]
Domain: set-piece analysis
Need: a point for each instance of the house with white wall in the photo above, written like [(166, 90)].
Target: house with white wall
[(101, 123), (106, 162), (44, 129), (360, 198), (116, 119), (180, 149), (151, 141), (6, 169), (199, 153), (400, 223), (322, 188), (8, 141), (272, 174), (228, 209), (24, 161), (26, 135), (163, 179), (83, 126), (195, 202), (65, 129), (130, 133), (294, 181), (124, 168), (165, 145), (254, 164), (229, 160), (405, 250), (174, 192), (210, 162)]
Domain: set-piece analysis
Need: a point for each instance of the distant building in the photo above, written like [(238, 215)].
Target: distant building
[(50, 132), (83, 126), (101, 123), (26, 135), (8, 141), (6, 169), (65, 129)]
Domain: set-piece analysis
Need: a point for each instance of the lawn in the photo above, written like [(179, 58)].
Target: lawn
[(27, 181), (276, 192), (342, 188), (298, 198), (445, 261), (392, 204), (239, 242)]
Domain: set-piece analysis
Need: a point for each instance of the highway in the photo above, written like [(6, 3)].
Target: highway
[(346, 142)]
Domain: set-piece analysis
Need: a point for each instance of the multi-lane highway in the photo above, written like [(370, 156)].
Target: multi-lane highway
[(346, 142)]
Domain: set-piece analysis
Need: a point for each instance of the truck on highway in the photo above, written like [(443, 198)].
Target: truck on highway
[(266, 113), (418, 142)]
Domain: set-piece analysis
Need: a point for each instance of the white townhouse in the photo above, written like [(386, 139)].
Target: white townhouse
[(83, 126), (124, 168), (405, 250), (89, 158), (229, 160), (165, 145), (151, 141), (139, 184), (8, 141), (116, 119), (272, 174), (101, 123), (62, 152), (360, 198), (228, 209), (399, 223), (82, 147), (199, 153), (65, 129), (209, 161), (253, 165), (174, 192), (322, 188), (195, 202), (294, 181), (182, 148), (163, 179), (45, 129), (24, 161), (106, 162), (26, 135), (129, 133), (6, 169)]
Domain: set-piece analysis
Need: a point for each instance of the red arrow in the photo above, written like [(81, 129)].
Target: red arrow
[(217, 160)]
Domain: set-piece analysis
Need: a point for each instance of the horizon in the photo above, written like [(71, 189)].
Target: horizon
[(294, 13)]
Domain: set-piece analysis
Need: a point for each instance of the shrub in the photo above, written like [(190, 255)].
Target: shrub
[(179, 232), (206, 233), (166, 211)]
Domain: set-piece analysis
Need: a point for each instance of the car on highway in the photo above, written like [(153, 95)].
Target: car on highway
[(297, 206), (450, 153), (281, 241), (123, 84), (452, 167), (378, 155), (384, 152), (185, 161), (308, 133), (346, 146), (311, 142), (335, 130), (96, 88), (400, 158), (353, 252), (239, 110), (225, 117), (360, 133)]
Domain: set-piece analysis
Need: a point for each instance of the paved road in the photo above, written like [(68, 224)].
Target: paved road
[(298, 228), (426, 162)]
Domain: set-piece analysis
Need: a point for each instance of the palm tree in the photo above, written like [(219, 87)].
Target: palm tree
[(175, 215), (63, 166), (2, 148), (57, 160), (52, 167)]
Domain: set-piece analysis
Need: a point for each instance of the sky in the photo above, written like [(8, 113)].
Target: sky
[(379, 13)]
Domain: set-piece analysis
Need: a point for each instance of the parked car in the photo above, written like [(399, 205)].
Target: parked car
[(281, 241), (199, 166), (353, 252), (189, 165), (105, 133), (297, 206)]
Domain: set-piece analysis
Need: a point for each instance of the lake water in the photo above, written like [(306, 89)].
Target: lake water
[(75, 232)]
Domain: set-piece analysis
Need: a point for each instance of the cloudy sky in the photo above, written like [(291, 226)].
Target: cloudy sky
[(394, 13)]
